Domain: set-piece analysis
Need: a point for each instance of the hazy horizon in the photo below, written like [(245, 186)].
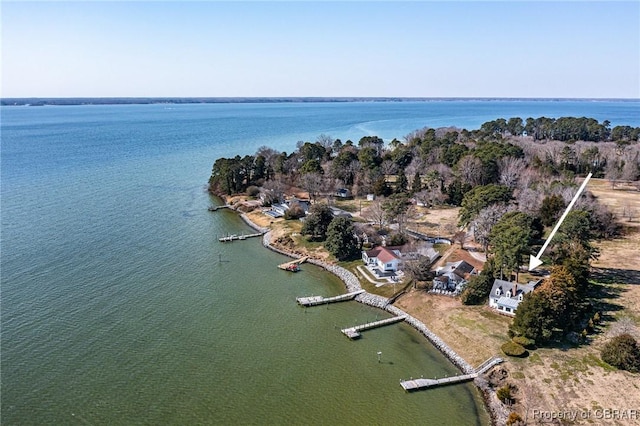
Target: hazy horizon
[(477, 49)]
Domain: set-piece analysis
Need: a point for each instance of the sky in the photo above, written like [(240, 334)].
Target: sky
[(548, 49)]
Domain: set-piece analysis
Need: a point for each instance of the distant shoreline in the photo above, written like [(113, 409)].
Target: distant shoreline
[(35, 101)]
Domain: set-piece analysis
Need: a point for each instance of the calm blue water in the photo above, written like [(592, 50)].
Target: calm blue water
[(115, 309)]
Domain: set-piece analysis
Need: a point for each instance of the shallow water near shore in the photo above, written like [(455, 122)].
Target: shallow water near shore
[(120, 306)]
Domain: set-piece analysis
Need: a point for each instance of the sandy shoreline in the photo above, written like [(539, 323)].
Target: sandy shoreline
[(352, 283)]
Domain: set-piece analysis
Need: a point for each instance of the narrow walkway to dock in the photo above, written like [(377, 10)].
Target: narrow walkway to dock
[(319, 300), (234, 237), (422, 383), (354, 332)]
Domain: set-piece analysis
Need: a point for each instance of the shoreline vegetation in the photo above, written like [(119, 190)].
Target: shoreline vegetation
[(496, 192), (37, 101)]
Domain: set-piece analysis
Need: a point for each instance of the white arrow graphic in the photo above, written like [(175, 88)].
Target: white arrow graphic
[(534, 262)]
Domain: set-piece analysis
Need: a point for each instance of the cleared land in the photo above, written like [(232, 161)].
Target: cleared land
[(563, 378)]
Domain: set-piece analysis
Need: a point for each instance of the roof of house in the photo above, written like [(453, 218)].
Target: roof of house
[(460, 268), (336, 212), (383, 254), (515, 288), (508, 302)]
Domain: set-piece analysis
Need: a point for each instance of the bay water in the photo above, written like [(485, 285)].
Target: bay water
[(120, 306)]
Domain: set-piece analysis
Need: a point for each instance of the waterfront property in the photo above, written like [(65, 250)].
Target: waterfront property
[(505, 296), (383, 261), (453, 276), (279, 209)]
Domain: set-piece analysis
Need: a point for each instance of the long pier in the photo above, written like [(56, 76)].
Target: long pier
[(319, 300), (234, 237), (421, 383), (354, 332)]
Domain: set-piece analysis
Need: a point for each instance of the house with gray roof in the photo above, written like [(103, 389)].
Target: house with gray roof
[(505, 296), (452, 277)]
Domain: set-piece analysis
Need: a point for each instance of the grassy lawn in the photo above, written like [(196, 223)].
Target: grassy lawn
[(386, 290)]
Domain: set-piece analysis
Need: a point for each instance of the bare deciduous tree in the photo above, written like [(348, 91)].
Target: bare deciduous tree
[(460, 237), (325, 141), (624, 325), (470, 169), (510, 170), (529, 201), (629, 212), (485, 221), (375, 213), (388, 167), (613, 171)]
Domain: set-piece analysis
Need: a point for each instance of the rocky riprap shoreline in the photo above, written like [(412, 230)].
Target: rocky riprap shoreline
[(353, 284), (494, 407)]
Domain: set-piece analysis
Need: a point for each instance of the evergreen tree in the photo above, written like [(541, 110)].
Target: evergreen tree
[(401, 183), (317, 222), (341, 241), (481, 197), (479, 286), (551, 208), (510, 241), (534, 318), (381, 187), (416, 184)]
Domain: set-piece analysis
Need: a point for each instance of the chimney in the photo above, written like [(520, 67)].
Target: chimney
[(515, 289)]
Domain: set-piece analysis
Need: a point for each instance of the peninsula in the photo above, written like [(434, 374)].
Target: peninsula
[(440, 226)]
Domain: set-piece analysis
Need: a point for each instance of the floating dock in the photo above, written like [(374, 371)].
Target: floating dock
[(319, 300), (294, 265), (421, 383), (354, 332), (234, 237)]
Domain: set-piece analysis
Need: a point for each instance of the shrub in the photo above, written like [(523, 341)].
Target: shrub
[(525, 341), (513, 349), (622, 352), (253, 191), (295, 211), (514, 419), (397, 240), (504, 394)]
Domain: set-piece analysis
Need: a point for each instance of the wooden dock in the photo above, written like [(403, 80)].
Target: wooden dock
[(422, 383), (216, 208), (354, 332), (234, 237), (319, 300), (415, 384), (294, 265)]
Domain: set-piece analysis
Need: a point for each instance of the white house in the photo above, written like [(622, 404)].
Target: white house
[(382, 260), (505, 296)]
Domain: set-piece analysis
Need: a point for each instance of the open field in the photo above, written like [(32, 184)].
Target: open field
[(620, 257), (563, 378)]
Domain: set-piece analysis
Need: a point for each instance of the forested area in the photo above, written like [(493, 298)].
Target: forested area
[(438, 166)]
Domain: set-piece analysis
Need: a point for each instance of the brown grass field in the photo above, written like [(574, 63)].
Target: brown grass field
[(561, 379)]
